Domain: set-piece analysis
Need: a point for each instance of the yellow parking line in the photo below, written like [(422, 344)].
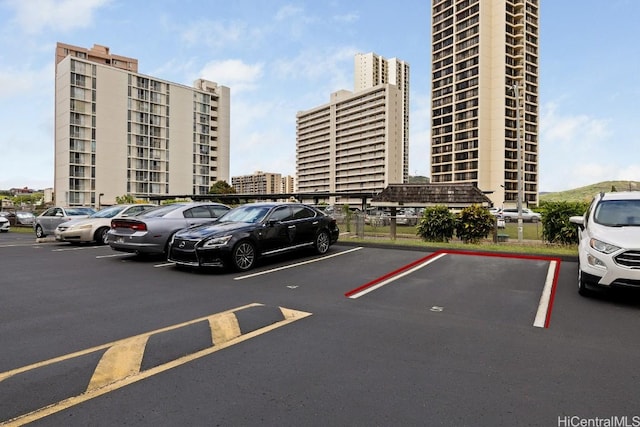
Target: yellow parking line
[(119, 362), (120, 365)]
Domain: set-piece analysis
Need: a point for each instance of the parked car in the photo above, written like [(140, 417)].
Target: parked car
[(377, 218), (19, 218), (47, 221), (5, 225), (150, 232), (511, 214), (95, 227), (407, 217), (24, 218), (609, 242), (251, 231)]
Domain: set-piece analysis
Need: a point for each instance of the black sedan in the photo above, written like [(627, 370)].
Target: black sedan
[(242, 235)]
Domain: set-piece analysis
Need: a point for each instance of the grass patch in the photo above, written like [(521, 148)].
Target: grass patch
[(22, 229)]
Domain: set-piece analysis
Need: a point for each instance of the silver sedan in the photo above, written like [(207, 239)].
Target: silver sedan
[(95, 227), (47, 221), (150, 232)]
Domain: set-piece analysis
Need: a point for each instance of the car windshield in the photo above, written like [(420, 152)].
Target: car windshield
[(108, 212), (251, 214), (79, 211), (618, 213), (161, 211)]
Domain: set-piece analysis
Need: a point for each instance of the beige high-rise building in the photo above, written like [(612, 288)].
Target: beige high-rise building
[(358, 142), (352, 144), (481, 52), (119, 132), (258, 183), (372, 70), (288, 184)]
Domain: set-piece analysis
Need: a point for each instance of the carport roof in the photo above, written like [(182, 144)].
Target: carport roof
[(421, 195)]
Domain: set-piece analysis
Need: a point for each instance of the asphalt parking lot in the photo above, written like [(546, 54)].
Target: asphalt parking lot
[(361, 336)]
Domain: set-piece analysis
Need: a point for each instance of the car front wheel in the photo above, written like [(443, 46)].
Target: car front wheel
[(39, 232), (243, 256), (322, 242)]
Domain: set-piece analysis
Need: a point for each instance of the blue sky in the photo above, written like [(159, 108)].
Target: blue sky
[(280, 57)]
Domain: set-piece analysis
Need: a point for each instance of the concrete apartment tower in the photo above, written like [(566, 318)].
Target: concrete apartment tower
[(372, 70), (481, 52), (119, 132), (356, 142), (258, 183)]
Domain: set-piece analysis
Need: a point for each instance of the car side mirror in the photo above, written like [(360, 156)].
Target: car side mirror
[(578, 220)]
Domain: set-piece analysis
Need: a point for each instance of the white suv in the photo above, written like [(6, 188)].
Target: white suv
[(609, 242)]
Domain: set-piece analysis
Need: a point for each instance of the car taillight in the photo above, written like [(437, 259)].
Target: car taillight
[(133, 225)]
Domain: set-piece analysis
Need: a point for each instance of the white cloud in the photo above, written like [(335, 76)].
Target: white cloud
[(331, 64), (287, 12), (222, 35), (576, 130), (34, 16), (233, 73), (348, 18)]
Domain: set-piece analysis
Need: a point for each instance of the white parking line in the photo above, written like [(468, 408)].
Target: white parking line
[(75, 248), (396, 277), (543, 307), (114, 255), (166, 264), (273, 270)]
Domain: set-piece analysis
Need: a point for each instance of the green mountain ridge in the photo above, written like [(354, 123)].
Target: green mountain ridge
[(586, 193)]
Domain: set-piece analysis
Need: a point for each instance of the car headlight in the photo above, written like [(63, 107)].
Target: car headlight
[(604, 247), (217, 242)]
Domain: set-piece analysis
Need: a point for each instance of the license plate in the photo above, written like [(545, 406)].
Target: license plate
[(120, 239)]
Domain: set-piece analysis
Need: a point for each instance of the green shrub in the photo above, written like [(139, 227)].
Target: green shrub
[(437, 224), (474, 223), (556, 227)]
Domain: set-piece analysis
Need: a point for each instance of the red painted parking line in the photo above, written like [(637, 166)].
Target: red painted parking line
[(546, 300), (394, 273)]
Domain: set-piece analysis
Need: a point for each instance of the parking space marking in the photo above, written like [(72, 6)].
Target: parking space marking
[(76, 248), (21, 245), (543, 315), (166, 264), (394, 275), (297, 264), (545, 305), (114, 255), (122, 361)]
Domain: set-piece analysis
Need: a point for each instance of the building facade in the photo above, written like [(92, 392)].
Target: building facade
[(372, 70), (359, 141), (119, 132), (288, 184), (483, 54), (258, 183), (352, 144)]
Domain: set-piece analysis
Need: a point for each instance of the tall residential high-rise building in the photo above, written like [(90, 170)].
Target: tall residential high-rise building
[(119, 132), (258, 183), (352, 144), (483, 53), (372, 70), (356, 142)]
